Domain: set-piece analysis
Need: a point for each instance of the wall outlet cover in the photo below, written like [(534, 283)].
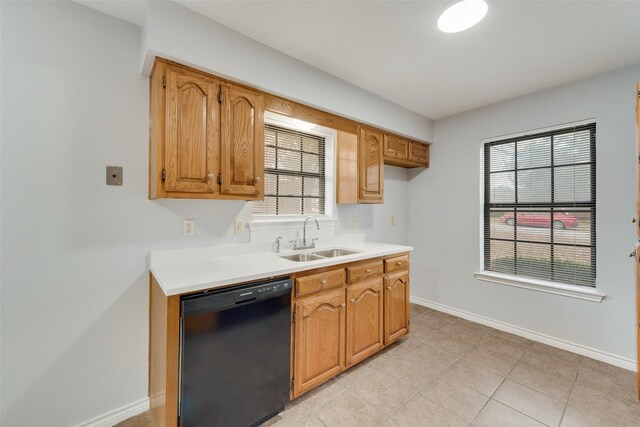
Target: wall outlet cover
[(114, 175), (354, 222), (189, 228), (238, 226)]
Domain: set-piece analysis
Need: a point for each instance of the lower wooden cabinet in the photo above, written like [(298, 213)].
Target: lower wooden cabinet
[(319, 339), (396, 306), (364, 320)]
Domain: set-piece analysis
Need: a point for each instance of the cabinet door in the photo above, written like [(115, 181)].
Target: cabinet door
[(396, 306), (319, 340), (191, 163), (419, 153), (371, 166), (396, 148), (364, 320), (242, 145)]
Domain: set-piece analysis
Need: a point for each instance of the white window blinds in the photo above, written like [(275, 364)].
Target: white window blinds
[(294, 173)]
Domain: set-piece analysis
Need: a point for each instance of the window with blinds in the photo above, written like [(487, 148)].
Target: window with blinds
[(540, 205), (294, 173)]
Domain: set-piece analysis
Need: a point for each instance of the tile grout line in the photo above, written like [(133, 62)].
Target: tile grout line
[(571, 394), (501, 383)]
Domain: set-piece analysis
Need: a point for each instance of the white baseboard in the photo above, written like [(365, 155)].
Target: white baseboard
[(593, 353), (108, 419)]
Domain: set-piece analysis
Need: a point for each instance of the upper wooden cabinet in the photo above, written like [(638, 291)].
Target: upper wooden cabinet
[(190, 140), (206, 136), (242, 148), (404, 153), (419, 153), (396, 147), (370, 166)]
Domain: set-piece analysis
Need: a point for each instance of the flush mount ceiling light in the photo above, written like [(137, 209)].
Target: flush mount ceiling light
[(462, 15), (303, 125)]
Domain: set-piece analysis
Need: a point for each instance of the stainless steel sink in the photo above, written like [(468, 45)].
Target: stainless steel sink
[(317, 255), (331, 253), (302, 257)]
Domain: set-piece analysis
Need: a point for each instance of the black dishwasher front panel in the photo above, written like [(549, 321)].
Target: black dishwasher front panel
[(235, 355)]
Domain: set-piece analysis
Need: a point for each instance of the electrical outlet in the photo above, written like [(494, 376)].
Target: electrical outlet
[(354, 222), (392, 220), (238, 226), (189, 228)]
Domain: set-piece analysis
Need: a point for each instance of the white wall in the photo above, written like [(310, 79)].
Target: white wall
[(444, 222), (175, 32), (74, 304)]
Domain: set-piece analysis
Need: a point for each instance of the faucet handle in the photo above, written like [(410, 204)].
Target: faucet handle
[(313, 242)]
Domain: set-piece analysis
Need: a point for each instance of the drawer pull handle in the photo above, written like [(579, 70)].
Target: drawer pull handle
[(323, 282), (353, 301), (343, 305), (368, 271), (389, 287), (398, 262)]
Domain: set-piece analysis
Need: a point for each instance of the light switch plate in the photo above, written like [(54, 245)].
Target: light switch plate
[(114, 175)]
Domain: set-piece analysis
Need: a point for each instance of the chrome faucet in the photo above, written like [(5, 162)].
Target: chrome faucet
[(303, 244), (276, 245)]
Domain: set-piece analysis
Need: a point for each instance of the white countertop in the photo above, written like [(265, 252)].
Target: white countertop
[(191, 270)]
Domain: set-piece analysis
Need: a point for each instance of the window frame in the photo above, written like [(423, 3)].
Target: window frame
[(580, 291)]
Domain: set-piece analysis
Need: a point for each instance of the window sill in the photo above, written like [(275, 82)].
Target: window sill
[(271, 222), (572, 291)]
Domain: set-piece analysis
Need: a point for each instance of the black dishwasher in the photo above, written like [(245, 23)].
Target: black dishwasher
[(235, 349)]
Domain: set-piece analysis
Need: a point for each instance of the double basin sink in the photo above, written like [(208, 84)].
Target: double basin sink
[(320, 254)]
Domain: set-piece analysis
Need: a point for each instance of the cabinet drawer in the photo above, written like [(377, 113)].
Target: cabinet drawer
[(364, 271), (319, 281), (396, 148), (399, 263)]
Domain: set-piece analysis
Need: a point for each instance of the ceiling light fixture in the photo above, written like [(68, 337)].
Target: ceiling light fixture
[(462, 15), (303, 125)]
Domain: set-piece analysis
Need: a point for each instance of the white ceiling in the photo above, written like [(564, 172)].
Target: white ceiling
[(394, 49)]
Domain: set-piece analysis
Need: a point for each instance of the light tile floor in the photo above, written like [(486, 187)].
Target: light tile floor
[(452, 372)]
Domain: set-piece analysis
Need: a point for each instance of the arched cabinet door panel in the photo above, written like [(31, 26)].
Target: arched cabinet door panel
[(190, 150), (371, 166), (364, 320), (396, 306), (242, 144), (320, 339)]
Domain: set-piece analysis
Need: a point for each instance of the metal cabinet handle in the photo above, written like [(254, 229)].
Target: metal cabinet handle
[(258, 179), (632, 254), (389, 287), (633, 220), (211, 176), (323, 282), (343, 304), (353, 301), (398, 262), (368, 271)]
